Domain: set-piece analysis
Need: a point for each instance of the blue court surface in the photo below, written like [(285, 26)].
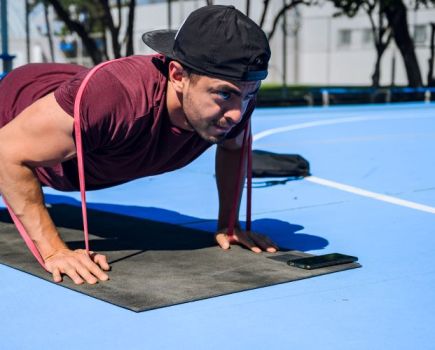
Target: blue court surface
[(372, 194)]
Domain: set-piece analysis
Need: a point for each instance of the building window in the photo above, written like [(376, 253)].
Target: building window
[(420, 34), (367, 36), (344, 37)]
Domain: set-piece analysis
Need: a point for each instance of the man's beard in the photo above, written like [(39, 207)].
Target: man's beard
[(201, 130), (215, 140)]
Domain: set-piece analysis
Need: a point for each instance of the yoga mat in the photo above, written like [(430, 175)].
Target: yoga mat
[(156, 264)]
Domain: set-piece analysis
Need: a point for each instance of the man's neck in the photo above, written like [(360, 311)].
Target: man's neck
[(175, 109)]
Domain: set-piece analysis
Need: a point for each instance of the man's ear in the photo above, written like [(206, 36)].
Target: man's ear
[(176, 75)]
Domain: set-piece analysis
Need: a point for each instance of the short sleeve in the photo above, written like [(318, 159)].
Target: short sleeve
[(102, 107)]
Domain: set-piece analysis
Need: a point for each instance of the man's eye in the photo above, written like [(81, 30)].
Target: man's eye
[(224, 95)]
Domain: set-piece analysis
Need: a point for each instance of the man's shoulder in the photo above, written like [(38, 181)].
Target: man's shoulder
[(138, 67), (140, 77), (132, 86)]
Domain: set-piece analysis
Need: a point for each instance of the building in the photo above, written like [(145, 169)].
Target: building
[(317, 49)]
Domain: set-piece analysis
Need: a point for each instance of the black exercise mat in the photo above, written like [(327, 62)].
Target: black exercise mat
[(156, 264)]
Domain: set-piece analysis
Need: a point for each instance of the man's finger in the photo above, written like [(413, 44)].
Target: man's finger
[(96, 271), (57, 277), (92, 269), (72, 273), (101, 260), (264, 242), (85, 273), (221, 239), (272, 245), (248, 243)]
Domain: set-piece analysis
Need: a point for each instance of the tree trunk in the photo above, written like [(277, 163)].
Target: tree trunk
[(248, 7), (48, 28), (281, 12), (381, 43), (263, 15), (430, 75), (130, 24), (377, 72), (396, 12), (114, 30), (27, 32), (105, 41)]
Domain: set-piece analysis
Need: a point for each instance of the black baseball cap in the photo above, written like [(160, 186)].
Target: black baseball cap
[(216, 40)]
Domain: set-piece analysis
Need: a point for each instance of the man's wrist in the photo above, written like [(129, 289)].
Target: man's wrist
[(49, 245)]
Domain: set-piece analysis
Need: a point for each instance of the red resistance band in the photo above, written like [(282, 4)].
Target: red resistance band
[(246, 150), (247, 144)]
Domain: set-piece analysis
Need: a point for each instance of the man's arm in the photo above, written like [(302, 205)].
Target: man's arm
[(42, 136), (227, 173)]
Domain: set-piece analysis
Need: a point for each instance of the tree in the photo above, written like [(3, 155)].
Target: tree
[(286, 7), (382, 35), (86, 18), (48, 28), (395, 12), (381, 32)]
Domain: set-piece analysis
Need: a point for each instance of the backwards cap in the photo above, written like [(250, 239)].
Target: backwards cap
[(216, 40)]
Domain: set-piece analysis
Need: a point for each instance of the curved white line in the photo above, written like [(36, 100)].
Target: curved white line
[(340, 186), (306, 125), (369, 194)]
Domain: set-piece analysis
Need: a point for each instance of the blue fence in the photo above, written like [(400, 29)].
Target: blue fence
[(315, 96), (391, 94)]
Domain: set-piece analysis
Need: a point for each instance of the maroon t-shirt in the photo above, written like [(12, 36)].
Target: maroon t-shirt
[(126, 130)]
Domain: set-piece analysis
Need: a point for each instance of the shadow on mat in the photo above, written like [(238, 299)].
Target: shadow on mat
[(119, 227)]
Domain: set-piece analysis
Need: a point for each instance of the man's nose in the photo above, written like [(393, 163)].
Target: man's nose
[(235, 114)]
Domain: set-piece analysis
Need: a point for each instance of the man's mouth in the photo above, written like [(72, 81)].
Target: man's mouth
[(226, 129), (223, 127), (221, 131)]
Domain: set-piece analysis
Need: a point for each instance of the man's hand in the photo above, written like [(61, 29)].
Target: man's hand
[(78, 265), (251, 240)]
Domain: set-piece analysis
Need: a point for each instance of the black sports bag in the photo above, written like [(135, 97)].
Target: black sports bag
[(268, 164)]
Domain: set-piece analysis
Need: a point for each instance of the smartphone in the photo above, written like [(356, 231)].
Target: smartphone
[(315, 262)]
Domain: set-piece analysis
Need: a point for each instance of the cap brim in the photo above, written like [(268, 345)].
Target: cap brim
[(161, 41)]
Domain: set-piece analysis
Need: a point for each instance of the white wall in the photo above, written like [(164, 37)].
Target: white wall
[(353, 64), (319, 59)]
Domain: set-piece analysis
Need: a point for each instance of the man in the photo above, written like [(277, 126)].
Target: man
[(140, 116)]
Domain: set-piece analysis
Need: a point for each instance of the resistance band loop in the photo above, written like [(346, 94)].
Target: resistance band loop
[(79, 145), (25, 236)]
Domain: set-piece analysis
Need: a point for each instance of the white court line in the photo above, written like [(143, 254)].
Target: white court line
[(374, 195), (334, 121), (340, 186)]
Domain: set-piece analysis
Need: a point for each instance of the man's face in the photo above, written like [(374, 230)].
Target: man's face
[(214, 106)]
